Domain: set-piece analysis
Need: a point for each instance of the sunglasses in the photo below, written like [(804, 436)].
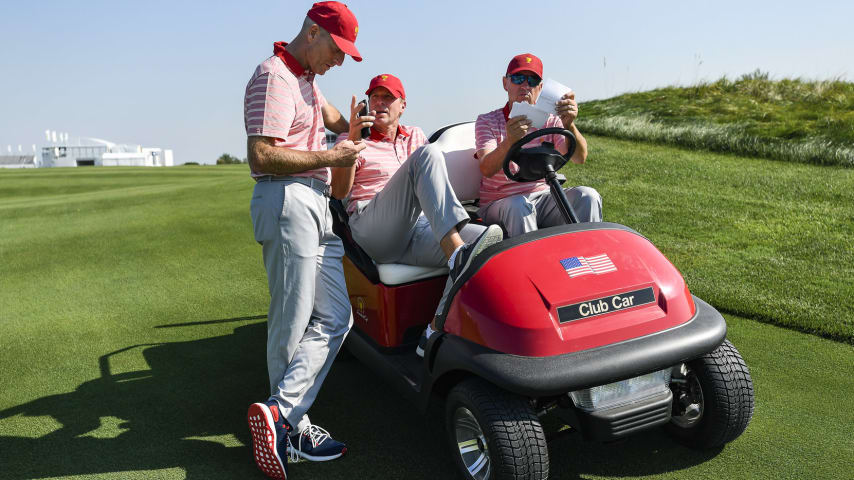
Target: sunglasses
[(519, 79)]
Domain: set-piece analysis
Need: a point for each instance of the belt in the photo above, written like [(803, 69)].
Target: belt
[(314, 183)]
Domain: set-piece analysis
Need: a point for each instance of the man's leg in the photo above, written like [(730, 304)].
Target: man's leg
[(423, 250), (289, 234), (585, 201), (291, 264), (330, 321), (387, 223), (469, 234), (516, 213), (435, 195)]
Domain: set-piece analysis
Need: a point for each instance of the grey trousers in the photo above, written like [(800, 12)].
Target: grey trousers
[(525, 213), (407, 219), (310, 313)]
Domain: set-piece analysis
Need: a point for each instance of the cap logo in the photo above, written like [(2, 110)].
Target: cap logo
[(356, 30), (384, 77), (528, 59)]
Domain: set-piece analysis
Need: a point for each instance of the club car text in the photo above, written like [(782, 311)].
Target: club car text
[(601, 306)]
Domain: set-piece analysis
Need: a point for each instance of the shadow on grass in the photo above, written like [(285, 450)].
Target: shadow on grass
[(192, 401)]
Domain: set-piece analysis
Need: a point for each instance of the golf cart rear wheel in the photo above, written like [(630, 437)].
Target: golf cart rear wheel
[(712, 399), (494, 434)]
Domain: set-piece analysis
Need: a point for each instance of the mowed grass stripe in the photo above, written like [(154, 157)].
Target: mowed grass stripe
[(768, 240), (108, 269)]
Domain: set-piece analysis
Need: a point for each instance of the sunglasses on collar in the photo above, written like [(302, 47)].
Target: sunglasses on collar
[(520, 78)]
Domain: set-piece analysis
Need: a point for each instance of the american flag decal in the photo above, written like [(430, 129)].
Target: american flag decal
[(577, 266)]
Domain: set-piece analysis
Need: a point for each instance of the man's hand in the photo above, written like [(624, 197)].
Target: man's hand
[(517, 127), (345, 153), (357, 123), (567, 109)]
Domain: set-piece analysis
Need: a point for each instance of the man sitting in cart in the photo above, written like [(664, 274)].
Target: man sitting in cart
[(525, 207), (402, 208)]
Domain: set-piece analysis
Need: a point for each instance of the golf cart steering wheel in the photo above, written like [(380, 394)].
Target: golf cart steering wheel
[(543, 162), (534, 162)]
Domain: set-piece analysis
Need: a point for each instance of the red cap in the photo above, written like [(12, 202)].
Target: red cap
[(388, 81), (525, 61), (339, 21)]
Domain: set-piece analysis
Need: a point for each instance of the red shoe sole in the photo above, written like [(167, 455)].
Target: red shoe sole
[(264, 441)]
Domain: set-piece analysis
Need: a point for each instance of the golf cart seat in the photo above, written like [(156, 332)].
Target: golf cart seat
[(457, 142), (399, 273)]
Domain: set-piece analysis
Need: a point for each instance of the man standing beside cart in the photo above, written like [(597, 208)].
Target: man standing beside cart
[(285, 114), (525, 207), (401, 204)]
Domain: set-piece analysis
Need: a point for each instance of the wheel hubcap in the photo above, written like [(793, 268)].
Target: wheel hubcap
[(471, 444), (688, 403)]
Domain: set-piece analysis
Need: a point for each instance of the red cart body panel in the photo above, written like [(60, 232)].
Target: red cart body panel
[(514, 303), (385, 312)]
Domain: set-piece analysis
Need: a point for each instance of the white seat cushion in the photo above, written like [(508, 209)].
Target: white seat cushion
[(458, 145), (398, 273)]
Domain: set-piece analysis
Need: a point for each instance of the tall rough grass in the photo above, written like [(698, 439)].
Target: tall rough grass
[(719, 138), (790, 119)]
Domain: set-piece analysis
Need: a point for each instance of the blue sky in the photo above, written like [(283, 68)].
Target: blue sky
[(172, 74)]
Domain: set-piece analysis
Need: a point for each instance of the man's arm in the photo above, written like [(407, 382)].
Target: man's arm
[(264, 157), (342, 177), (342, 181), (580, 154), (333, 120), (492, 160), (567, 110)]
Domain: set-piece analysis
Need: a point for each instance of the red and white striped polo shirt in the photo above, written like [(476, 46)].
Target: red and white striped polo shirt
[(283, 101), (490, 129), (380, 159)]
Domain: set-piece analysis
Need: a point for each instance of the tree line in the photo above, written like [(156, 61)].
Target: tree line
[(226, 159)]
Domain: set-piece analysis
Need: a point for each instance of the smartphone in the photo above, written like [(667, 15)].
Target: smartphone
[(366, 132)]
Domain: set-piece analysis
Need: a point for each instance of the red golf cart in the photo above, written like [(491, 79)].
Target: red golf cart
[(587, 321)]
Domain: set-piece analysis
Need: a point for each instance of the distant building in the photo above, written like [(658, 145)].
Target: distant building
[(18, 161), (95, 152)]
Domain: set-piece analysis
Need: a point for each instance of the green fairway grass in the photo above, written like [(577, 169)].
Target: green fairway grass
[(789, 119), (132, 334)]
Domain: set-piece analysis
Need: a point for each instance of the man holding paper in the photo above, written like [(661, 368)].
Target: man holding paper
[(524, 207)]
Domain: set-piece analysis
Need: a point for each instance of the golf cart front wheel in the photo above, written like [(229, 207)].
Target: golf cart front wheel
[(494, 435), (712, 399)]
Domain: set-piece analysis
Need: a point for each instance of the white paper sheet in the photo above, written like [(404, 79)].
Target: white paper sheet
[(550, 95), (538, 113), (535, 115)]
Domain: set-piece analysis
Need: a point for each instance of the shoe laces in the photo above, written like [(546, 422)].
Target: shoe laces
[(293, 452), (316, 435)]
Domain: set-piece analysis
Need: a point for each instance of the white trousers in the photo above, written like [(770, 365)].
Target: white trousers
[(525, 213), (310, 313)]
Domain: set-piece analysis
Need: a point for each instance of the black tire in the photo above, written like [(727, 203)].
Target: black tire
[(725, 399), (515, 444)]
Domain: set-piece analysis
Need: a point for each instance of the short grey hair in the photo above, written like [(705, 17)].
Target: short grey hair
[(307, 24)]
